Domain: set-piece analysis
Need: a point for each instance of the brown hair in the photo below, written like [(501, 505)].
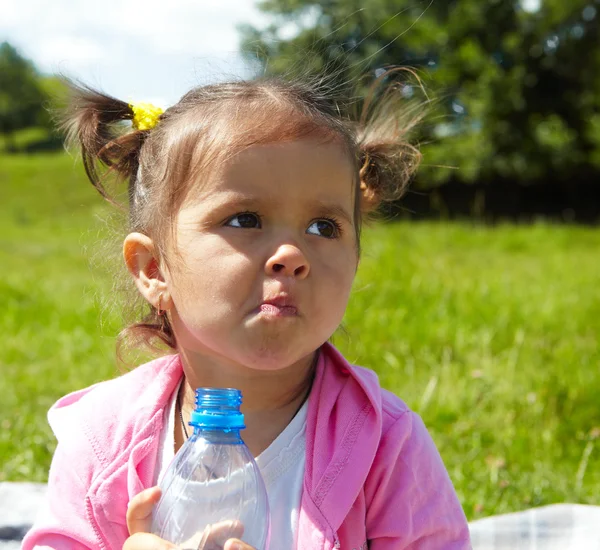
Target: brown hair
[(210, 123)]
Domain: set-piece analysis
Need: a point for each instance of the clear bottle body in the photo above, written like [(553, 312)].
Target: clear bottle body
[(213, 491)]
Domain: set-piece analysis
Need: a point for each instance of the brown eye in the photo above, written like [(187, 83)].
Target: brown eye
[(245, 220), (323, 228)]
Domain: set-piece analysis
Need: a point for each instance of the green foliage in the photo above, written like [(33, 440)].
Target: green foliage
[(21, 93), (491, 334), (516, 94)]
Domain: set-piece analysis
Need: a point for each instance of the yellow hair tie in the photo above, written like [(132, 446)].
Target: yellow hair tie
[(145, 116)]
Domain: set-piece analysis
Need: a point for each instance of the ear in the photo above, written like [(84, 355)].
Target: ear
[(368, 198), (141, 261), (368, 176)]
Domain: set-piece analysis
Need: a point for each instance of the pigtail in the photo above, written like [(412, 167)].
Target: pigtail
[(97, 124), (94, 122), (387, 160)]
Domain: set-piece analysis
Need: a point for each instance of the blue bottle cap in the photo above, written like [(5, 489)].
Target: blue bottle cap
[(218, 409)]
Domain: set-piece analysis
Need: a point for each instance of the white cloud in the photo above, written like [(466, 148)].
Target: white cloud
[(76, 48), (187, 25), (129, 45), (206, 25)]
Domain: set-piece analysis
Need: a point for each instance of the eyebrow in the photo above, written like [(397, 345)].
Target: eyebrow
[(237, 200), (229, 200)]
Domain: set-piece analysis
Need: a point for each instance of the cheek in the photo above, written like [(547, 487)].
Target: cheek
[(339, 276), (210, 273)]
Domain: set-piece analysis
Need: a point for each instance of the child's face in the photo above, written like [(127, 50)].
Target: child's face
[(263, 274)]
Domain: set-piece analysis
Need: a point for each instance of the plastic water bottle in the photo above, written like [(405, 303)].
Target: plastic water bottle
[(213, 489)]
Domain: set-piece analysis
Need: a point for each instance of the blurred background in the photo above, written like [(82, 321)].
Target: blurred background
[(478, 299)]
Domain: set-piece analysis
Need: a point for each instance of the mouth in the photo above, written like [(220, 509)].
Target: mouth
[(280, 306)]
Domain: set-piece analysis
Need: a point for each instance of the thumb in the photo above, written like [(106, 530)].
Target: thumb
[(235, 544), (139, 510), (147, 542)]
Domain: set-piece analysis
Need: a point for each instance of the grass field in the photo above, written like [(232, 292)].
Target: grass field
[(490, 333)]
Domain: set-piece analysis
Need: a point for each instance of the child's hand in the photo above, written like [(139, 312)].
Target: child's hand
[(234, 544), (139, 522)]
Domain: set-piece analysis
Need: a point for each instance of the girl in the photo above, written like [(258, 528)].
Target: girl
[(245, 204)]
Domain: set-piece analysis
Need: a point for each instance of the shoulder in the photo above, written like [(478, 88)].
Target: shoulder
[(408, 489), (402, 429), (401, 438), (392, 430), (408, 494), (359, 387), (107, 415), (391, 406)]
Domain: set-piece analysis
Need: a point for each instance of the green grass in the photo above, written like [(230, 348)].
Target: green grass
[(491, 334)]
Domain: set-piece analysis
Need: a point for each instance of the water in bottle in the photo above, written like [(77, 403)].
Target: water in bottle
[(213, 489)]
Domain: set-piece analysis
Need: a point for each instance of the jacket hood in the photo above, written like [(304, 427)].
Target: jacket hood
[(134, 399)]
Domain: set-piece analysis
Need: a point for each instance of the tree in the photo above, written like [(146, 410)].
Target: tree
[(516, 93), (21, 94)]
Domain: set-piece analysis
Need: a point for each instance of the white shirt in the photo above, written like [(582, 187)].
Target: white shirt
[(281, 465)]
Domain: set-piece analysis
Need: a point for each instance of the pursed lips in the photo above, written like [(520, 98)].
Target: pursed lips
[(279, 306)]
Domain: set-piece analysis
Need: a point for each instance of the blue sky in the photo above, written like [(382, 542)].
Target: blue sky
[(137, 50)]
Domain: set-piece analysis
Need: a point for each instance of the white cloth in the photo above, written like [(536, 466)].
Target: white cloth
[(281, 465), (166, 446), (554, 527)]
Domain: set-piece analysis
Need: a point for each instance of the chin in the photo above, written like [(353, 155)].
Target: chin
[(271, 358)]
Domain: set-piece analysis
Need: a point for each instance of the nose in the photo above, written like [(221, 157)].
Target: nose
[(288, 260)]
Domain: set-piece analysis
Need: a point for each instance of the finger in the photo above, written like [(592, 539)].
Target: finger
[(235, 544), (139, 510), (218, 534), (146, 541)]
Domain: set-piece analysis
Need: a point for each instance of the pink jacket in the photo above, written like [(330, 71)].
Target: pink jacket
[(373, 477)]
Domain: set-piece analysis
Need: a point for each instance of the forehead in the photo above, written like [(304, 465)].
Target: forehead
[(292, 172)]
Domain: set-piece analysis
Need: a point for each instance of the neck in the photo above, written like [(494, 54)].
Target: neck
[(270, 398)]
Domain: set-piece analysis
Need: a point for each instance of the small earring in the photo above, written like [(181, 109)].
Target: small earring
[(159, 309)]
